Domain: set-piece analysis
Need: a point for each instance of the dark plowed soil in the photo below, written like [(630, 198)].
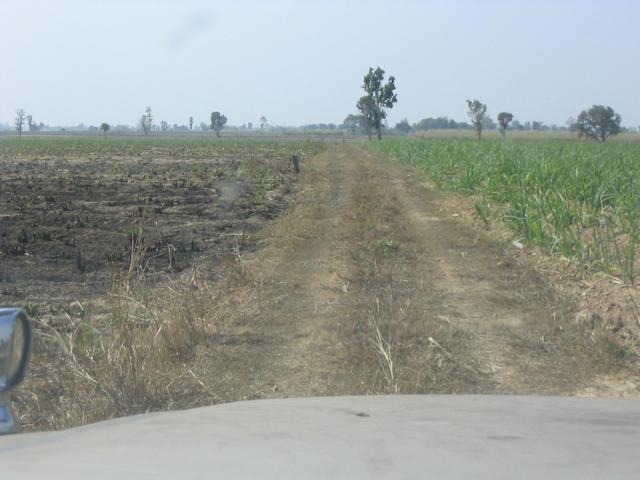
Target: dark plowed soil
[(67, 223)]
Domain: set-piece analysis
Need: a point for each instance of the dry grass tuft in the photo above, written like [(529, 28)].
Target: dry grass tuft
[(141, 356)]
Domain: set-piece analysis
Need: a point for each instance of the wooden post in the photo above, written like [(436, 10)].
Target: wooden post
[(296, 163)]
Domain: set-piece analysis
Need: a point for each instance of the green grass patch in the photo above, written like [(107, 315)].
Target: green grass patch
[(579, 199)]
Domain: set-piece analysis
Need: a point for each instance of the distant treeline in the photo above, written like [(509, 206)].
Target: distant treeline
[(355, 124), (352, 124)]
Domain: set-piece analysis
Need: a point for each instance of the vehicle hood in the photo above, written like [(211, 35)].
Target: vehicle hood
[(417, 436)]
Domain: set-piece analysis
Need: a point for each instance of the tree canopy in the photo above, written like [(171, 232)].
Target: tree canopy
[(218, 121), (403, 126), (104, 126), (477, 113), (379, 96), (504, 119), (598, 123)]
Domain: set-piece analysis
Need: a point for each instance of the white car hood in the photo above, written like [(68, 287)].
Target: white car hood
[(418, 436)]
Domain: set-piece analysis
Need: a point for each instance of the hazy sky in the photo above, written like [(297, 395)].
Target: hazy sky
[(303, 61)]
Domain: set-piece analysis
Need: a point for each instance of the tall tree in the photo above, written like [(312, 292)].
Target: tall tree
[(20, 116), (104, 126), (190, 123), (504, 119), (379, 96), (263, 123), (598, 123), (367, 109), (477, 113), (218, 121)]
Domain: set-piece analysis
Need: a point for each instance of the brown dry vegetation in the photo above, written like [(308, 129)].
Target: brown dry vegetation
[(371, 283), (116, 250)]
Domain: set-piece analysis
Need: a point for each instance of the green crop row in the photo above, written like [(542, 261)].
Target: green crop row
[(578, 199)]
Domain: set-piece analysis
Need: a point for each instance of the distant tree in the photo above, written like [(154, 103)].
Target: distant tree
[(598, 123), (504, 119), (249, 126), (516, 125), (379, 96), (164, 125), (440, 123), (489, 124), (355, 124), (403, 126), (20, 116), (190, 123), (263, 123), (367, 108), (146, 121), (477, 113), (104, 126), (142, 123), (218, 121), (32, 125), (571, 125)]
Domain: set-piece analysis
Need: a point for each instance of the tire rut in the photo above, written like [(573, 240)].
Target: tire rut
[(369, 284)]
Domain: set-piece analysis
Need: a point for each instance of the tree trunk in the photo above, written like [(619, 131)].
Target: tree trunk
[(379, 133), (369, 131)]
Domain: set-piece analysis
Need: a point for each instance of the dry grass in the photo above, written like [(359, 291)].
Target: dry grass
[(398, 347), (142, 356)]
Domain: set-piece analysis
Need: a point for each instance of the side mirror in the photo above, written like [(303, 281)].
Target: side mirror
[(15, 345)]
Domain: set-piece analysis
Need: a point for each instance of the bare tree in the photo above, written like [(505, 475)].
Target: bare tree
[(146, 121), (149, 118), (20, 117)]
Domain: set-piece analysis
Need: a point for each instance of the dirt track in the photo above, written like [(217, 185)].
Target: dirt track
[(372, 284)]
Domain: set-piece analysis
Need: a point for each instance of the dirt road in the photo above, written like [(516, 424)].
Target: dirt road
[(372, 284)]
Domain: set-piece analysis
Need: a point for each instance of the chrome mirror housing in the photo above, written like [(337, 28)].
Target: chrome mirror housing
[(15, 345)]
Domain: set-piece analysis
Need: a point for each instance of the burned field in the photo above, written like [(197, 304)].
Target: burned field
[(119, 250), (71, 210)]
